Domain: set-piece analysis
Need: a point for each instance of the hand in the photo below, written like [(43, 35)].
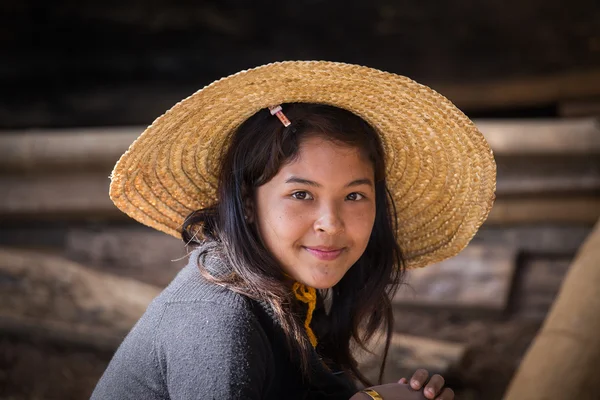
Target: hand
[(413, 391), (392, 391), (434, 387)]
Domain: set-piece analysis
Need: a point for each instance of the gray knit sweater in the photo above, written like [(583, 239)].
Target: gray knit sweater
[(198, 340)]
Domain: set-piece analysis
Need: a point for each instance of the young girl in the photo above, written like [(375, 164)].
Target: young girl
[(306, 188)]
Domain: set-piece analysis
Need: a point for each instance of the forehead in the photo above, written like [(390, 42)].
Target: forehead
[(327, 159)]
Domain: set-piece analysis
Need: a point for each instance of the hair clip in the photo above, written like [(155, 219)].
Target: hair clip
[(276, 110)]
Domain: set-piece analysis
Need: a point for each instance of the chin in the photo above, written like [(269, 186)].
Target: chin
[(324, 283)]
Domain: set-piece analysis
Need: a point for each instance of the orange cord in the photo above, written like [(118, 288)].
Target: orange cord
[(308, 295)]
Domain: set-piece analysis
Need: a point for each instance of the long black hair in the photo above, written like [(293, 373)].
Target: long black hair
[(361, 301)]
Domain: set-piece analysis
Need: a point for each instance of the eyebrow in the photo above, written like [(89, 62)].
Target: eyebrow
[(302, 181)]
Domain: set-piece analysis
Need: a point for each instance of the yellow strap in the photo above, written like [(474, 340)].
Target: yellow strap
[(308, 295), (372, 394)]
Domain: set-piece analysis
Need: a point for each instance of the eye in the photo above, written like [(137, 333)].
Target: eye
[(355, 196), (302, 195)]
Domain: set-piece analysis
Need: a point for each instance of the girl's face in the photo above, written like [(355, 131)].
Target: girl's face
[(316, 215)]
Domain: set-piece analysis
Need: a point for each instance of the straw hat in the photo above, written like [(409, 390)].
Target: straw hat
[(440, 170)]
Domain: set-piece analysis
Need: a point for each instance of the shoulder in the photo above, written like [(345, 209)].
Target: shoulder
[(223, 315), (193, 311), (214, 345), (193, 302), (195, 338)]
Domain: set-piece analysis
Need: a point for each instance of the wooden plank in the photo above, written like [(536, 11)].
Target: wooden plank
[(84, 196), (545, 210), (588, 182), (478, 279), (408, 353), (580, 108), (543, 136), (90, 148), (73, 194), (94, 148), (523, 92)]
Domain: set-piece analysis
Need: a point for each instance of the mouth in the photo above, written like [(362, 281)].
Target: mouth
[(325, 253)]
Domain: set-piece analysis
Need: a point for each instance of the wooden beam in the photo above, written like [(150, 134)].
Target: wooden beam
[(57, 196), (588, 182), (85, 196), (545, 210), (542, 137), (524, 92), (580, 108), (94, 148), (73, 148)]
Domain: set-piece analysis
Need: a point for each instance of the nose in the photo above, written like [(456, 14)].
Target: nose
[(329, 221)]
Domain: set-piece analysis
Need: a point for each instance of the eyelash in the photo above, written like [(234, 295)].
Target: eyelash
[(300, 192), (361, 196)]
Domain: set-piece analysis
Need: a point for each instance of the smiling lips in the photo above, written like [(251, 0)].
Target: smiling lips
[(324, 253)]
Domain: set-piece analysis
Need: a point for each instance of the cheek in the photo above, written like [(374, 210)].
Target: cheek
[(360, 224), (283, 222)]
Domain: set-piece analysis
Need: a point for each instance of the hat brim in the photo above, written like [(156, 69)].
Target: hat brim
[(440, 170)]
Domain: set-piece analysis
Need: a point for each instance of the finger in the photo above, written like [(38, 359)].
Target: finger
[(434, 386), (447, 394), (419, 378), (403, 381)]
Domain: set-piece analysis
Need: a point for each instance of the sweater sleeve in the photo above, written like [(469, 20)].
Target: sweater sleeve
[(208, 350)]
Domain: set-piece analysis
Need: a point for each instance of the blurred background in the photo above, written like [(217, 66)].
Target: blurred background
[(79, 80)]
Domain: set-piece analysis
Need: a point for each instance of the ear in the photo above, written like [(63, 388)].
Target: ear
[(249, 210)]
